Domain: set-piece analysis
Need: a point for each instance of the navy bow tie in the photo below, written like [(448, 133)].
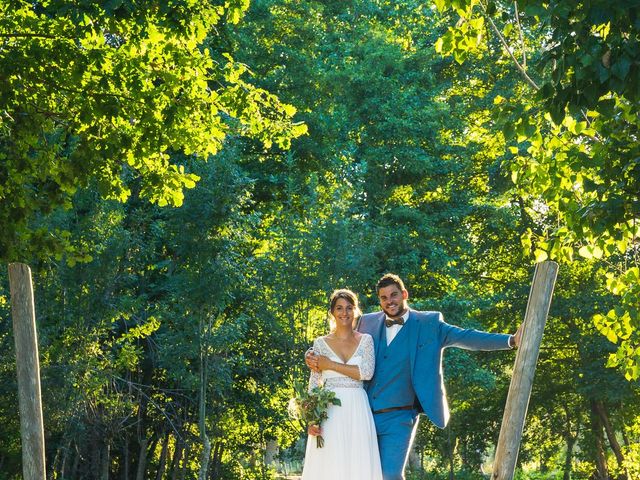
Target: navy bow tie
[(391, 321)]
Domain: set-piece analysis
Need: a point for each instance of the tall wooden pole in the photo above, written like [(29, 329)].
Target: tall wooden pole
[(524, 369), (28, 366)]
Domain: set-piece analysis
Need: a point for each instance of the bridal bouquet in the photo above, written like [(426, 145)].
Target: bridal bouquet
[(311, 407)]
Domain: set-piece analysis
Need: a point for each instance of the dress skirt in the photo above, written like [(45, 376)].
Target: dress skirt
[(350, 449)]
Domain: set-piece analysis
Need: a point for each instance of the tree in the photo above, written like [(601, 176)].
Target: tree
[(403, 169), (570, 130), (107, 92)]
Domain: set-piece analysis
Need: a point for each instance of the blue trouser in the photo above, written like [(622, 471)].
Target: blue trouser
[(395, 435)]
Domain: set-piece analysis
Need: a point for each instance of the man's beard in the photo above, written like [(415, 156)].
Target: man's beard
[(403, 310)]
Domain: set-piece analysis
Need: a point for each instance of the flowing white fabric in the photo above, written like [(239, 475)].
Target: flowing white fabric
[(350, 449)]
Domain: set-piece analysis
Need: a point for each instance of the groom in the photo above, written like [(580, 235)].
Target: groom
[(408, 375)]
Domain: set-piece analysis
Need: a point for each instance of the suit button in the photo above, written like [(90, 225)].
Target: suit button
[(375, 396), (385, 356)]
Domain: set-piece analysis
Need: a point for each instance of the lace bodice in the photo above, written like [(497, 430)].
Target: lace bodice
[(363, 357)]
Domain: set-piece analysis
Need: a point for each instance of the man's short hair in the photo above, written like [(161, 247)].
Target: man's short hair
[(389, 279)]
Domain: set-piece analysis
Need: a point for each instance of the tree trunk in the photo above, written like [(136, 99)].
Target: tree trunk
[(515, 410), (217, 460), (76, 464), (625, 438), (611, 434), (125, 459), (204, 458), (142, 459), (96, 450), (163, 457), (451, 455), (56, 463), (202, 410), (65, 459), (177, 456), (602, 472), (568, 458), (270, 453), (105, 460), (570, 437), (28, 372)]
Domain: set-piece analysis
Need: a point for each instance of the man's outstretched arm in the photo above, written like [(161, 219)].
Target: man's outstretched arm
[(471, 339)]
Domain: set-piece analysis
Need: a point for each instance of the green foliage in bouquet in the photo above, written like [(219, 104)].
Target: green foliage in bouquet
[(310, 407)]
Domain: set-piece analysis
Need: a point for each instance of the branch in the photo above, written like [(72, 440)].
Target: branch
[(160, 409), (488, 277), (524, 53), (520, 68), (95, 94), (32, 35)]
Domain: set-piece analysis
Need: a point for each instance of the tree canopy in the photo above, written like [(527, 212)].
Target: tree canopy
[(105, 93), (571, 129), (190, 181)]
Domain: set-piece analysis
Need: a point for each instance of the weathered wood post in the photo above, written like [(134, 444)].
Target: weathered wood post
[(524, 369), (28, 367)]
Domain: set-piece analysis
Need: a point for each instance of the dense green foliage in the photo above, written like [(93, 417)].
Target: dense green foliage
[(571, 128), (170, 349), (106, 93)]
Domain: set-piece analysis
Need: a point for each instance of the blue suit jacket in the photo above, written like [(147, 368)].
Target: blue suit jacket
[(429, 336)]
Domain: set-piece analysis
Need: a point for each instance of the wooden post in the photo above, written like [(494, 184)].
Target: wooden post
[(524, 369), (28, 367)]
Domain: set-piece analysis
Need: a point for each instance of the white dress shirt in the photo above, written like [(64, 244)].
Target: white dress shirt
[(393, 330)]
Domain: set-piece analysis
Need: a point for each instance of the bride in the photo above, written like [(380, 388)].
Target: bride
[(345, 358)]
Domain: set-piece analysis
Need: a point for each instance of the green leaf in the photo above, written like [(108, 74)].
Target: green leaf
[(597, 252), (585, 252), (441, 5), (540, 255), (620, 69), (438, 45)]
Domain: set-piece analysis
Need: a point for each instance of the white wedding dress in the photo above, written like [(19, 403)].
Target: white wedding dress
[(350, 449)]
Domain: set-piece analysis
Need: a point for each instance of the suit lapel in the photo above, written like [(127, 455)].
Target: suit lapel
[(373, 326), (380, 333), (413, 326)]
